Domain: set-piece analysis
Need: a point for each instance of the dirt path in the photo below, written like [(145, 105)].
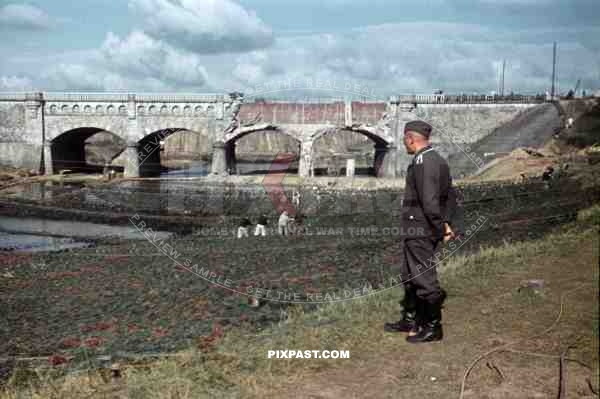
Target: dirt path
[(532, 128), (482, 313)]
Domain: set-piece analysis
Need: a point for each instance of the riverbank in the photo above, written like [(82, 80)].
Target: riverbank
[(229, 361)]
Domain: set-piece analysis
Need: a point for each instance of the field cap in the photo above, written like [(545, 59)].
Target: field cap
[(420, 127)]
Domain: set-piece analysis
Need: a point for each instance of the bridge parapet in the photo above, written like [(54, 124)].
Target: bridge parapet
[(145, 97), (467, 99), (115, 109), (114, 104), (217, 97)]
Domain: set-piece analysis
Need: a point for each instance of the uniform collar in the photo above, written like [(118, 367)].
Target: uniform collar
[(422, 150)]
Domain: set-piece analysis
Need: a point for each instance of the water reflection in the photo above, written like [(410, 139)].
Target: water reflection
[(172, 194), (245, 167), (64, 228), (37, 243)]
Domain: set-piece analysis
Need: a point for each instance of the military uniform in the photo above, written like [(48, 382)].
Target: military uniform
[(428, 183), (425, 209)]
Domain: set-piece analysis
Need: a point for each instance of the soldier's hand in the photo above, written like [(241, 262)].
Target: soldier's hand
[(448, 233)]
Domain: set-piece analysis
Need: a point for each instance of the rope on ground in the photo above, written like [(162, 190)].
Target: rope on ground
[(562, 380), (506, 346)]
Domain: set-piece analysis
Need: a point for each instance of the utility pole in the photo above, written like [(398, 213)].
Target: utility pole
[(553, 70), (498, 82), (502, 84)]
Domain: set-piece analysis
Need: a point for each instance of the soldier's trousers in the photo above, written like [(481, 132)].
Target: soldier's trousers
[(418, 269)]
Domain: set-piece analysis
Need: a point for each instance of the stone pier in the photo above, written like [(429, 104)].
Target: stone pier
[(219, 159), (132, 161)]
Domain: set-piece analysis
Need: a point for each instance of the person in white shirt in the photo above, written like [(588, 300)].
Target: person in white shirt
[(283, 223), (296, 199), (570, 122)]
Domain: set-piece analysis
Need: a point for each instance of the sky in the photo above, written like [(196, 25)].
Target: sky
[(379, 47)]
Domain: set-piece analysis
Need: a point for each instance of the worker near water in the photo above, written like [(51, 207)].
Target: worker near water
[(261, 226), (243, 228), (283, 223)]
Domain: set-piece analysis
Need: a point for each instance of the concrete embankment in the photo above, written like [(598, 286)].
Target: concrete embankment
[(532, 128), (187, 208)]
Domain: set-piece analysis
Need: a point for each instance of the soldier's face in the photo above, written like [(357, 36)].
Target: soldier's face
[(409, 143)]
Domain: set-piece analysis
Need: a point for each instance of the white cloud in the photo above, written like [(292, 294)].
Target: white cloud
[(418, 57), (24, 16), (204, 26), (392, 58), (170, 56), (136, 62), (141, 55), (92, 77)]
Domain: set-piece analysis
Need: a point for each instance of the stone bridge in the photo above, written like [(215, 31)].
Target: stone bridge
[(307, 122), (47, 131)]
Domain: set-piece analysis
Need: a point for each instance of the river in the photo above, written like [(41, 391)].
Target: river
[(36, 235)]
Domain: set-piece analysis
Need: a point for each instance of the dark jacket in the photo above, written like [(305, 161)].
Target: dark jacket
[(425, 204), (262, 220)]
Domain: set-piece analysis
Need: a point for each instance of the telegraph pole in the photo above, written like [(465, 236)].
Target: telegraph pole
[(502, 84), (553, 70)]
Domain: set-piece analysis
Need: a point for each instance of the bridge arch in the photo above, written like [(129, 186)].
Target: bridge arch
[(155, 150), (257, 156), (368, 161), (240, 132), (372, 134), (57, 124), (68, 150)]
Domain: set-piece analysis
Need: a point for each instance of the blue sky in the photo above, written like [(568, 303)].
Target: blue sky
[(390, 46)]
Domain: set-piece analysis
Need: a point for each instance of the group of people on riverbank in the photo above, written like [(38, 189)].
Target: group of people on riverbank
[(286, 225)]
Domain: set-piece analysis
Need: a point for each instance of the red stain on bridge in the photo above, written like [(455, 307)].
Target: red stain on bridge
[(331, 113), (273, 179)]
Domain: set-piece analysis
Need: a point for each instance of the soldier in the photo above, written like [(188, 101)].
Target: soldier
[(428, 197)]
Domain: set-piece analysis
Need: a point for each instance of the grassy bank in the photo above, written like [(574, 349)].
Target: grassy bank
[(485, 310)]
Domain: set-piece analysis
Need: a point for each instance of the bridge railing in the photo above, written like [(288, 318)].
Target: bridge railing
[(73, 97), (192, 98), (116, 97), (183, 98), (412, 99), (143, 97), (469, 99)]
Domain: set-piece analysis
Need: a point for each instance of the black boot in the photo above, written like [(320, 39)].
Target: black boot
[(407, 321), (420, 318), (431, 329)]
